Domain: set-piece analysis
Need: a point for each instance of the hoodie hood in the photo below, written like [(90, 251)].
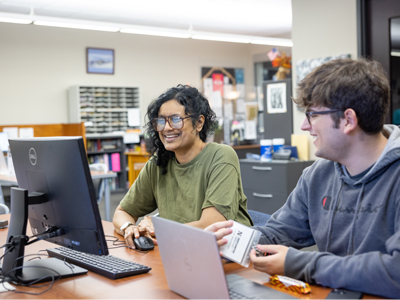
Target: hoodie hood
[(390, 154)]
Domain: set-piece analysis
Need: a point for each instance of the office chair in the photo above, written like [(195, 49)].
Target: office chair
[(98, 183), (259, 218), (4, 209)]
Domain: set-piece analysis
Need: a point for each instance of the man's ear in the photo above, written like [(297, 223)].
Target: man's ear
[(350, 121), (200, 123)]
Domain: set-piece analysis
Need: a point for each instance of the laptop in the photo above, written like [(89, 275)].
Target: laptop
[(193, 266)]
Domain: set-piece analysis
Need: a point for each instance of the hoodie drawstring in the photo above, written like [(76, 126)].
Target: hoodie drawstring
[(331, 216), (353, 223)]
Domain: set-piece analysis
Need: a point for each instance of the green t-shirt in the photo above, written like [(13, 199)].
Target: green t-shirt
[(212, 178)]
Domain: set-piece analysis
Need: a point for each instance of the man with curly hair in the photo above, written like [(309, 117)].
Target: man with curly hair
[(188, 180)]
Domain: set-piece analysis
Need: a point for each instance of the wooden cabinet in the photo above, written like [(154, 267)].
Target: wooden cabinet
[(136, 162), (109, 149), (102, 109), (267, 185)]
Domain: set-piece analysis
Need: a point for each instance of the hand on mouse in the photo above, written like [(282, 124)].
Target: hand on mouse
[(146, 229)]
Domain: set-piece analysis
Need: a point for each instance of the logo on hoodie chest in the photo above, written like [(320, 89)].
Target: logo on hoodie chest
[(327, 205)]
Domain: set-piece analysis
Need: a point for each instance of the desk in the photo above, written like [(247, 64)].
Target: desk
[(12, 180), (152, 285)]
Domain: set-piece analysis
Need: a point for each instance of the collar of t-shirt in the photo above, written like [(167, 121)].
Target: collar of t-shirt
[(357, 176)]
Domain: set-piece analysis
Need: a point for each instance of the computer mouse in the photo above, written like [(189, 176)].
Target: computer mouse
[(143, 243)]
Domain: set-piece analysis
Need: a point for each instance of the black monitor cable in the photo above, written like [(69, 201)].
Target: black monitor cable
[(121, 244), (5, 278)]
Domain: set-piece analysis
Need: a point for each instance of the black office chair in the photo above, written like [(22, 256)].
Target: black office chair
[(99, 183), (259, 218)]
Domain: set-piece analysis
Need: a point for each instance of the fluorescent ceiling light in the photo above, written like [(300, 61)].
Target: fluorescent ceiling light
[(157, 32), (221, 38), (76, 25), (146, 30), (395, 53), (273, 41), (15, 20)]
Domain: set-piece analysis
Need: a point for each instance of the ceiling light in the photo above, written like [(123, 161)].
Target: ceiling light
[(395, 53), (146, 30), (157, 32), (221, 38), (15, 20), (273, 41), (76, 25)]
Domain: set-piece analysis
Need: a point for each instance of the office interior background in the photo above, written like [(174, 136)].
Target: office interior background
[(39, 64)]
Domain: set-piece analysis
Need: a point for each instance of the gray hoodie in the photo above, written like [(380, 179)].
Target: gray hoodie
[(355, 224)]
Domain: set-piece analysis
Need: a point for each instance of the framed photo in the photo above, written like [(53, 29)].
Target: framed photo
[(100, 61), (276, 98)]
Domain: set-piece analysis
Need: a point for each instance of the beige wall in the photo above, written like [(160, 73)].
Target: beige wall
[(38, 64), (319, 29)]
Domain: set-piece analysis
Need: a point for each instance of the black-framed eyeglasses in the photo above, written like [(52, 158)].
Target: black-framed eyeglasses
[(175, 122), (309, 114)]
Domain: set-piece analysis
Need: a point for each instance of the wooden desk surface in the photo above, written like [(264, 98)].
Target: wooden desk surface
[(152, 285), (11, 179)]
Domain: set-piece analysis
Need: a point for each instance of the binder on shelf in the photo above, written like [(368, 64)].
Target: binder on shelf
[(115, 162), (105, 161), (109, 162)]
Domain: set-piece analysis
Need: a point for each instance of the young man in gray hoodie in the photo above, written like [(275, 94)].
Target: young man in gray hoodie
[(348, 202)]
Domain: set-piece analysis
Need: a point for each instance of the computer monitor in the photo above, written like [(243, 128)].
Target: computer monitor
[(56, 194)]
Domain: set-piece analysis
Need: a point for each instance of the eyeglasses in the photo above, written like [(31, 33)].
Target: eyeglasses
[(309, 114), (174, 122)]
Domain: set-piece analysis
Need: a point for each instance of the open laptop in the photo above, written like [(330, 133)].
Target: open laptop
[(193, 266)]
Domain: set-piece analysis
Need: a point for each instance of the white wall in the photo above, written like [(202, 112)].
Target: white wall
[(38, 64), (319, 29)]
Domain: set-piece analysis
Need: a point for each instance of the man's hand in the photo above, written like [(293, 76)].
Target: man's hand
[(273, 264), (220, 230)]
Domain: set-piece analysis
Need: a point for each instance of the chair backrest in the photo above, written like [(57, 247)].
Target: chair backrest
[(259, 218), (4, 209)]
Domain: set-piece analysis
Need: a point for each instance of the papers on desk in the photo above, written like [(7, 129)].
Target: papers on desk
[(3, 141), (3, 165), (26, 132), (11, 131)]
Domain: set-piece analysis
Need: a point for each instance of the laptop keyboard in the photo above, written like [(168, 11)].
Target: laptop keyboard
[(235, 295)]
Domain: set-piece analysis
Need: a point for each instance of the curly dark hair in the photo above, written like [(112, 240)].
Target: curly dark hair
[(195, 104), (361, 85)]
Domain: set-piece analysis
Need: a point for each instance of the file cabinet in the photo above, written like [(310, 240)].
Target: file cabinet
[(267, 185)]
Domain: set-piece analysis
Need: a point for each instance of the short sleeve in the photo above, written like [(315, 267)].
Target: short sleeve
[(140, 200)]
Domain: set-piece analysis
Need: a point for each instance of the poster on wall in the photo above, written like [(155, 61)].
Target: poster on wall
[(276, 98), (225, 90), (303, 67), (220, 84)]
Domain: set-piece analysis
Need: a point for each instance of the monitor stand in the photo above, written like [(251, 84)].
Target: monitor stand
[(14, 268)]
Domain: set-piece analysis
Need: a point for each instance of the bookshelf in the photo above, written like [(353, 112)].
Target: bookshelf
[(109, 149), (102, 109)]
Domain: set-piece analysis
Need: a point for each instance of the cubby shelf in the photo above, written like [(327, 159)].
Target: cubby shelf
[(103, 109)]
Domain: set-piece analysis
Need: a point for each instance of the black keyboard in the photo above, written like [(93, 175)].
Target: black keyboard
[(106, 265)]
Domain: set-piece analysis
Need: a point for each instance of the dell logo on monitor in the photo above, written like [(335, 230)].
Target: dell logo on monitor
[(32, 156)]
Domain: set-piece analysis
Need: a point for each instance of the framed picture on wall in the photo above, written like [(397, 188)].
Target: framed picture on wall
[(100, 61), (276, 98)]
